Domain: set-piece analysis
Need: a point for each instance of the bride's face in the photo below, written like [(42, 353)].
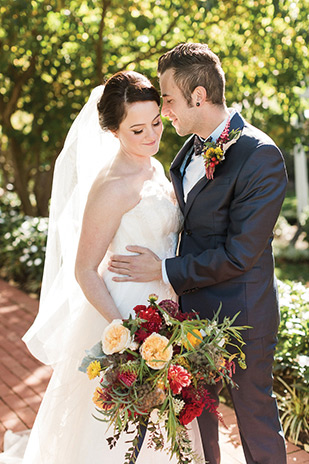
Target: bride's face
[(140, 132)]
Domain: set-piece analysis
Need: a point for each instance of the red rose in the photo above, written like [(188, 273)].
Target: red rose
[(190, 412)]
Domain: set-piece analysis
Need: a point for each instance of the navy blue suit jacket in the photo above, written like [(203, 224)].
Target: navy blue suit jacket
[(225, 252)]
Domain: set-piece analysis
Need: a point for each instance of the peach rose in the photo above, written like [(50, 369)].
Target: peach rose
[(154, 351), (116, 337)]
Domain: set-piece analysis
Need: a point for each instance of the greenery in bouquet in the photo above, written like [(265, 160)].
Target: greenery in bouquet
[(154, 370)]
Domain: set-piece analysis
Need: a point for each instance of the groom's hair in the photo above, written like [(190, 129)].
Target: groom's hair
[(194, 64)]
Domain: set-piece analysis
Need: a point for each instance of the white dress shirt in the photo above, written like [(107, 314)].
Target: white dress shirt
[(194, 172)]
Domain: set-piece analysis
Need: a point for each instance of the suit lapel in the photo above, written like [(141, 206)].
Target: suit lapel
[(176, 174), (193, 193)]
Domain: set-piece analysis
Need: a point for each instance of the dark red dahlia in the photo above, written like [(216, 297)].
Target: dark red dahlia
[(202, 397), (190, 412)]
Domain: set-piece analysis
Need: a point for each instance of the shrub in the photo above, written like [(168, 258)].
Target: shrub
[(22, 245), (291, 366), (294, 407)]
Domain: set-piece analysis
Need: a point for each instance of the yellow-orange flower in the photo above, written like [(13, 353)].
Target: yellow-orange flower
[(193, 340), (97, 397), (160, 384), (116, 337), (94, 369), (155, 351)]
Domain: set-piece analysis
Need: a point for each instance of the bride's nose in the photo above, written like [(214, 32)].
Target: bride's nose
[(151, 134)]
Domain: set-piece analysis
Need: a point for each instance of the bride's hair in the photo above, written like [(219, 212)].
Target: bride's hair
[(121, 89)]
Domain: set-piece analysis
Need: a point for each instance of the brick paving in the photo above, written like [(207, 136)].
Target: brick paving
[(23, 379)]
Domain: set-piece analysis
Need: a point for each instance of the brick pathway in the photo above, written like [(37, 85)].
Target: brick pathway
[(23, 379)]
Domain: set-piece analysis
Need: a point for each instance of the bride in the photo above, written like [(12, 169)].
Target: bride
[(108, 192)]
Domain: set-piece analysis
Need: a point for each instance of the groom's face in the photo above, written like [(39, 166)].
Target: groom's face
[(175, 106)]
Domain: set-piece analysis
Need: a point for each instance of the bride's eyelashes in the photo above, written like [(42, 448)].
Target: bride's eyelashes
[(155, 124)]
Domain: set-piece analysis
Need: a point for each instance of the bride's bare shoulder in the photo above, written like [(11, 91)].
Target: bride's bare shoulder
[(112, 189)]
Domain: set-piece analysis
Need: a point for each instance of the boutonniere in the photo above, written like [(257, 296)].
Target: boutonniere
[(213, 152)]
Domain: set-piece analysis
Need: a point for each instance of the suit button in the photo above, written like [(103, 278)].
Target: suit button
[(188, 232)]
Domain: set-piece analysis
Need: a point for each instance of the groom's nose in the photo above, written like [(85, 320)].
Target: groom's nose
[(165, 110)]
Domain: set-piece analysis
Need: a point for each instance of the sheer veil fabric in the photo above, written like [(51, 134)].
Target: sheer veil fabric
[(86, 151)]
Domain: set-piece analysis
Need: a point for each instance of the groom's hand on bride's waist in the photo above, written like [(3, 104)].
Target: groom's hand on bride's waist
[(145, 266)]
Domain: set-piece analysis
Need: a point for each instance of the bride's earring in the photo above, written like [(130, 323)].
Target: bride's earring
[(198, 104)]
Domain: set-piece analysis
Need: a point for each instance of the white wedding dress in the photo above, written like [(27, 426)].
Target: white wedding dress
[(65, 432)]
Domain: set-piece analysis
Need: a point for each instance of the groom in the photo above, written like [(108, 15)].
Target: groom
[(225, 253)]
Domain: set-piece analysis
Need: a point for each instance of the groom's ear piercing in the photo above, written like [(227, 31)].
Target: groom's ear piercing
[(198, 104)]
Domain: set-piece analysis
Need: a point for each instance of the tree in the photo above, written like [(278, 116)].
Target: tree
[(54, 52)]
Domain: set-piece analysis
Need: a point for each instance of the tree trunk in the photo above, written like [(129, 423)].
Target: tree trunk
[(99, 44), (21, 177), (42, 190)]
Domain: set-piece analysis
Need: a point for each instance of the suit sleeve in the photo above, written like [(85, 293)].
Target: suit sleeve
[(259, 194)]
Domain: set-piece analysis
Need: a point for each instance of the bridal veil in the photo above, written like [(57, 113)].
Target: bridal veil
[(86, 151)]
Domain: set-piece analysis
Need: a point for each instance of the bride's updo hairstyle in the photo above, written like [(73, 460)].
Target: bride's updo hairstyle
[(120, 90)]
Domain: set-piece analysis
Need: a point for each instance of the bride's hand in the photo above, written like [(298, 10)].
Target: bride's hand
[(143, 267)]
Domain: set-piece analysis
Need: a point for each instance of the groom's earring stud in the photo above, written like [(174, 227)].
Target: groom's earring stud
[(198, 104)]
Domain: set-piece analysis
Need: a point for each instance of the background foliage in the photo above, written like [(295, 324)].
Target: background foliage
[(53, 52)]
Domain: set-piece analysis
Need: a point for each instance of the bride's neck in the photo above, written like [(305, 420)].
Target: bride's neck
[(134, 161)]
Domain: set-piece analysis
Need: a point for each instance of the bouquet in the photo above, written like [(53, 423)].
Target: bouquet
[(154, 370)]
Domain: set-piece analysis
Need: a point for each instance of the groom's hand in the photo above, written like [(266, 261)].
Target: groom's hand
[(143, 267)]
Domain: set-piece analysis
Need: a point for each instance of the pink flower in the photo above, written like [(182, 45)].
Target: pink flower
[(178, 377)]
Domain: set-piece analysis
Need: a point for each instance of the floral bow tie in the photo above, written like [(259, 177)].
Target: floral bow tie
[(213, 152)]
